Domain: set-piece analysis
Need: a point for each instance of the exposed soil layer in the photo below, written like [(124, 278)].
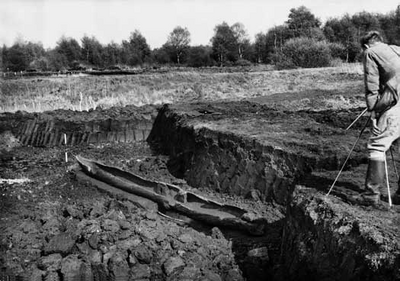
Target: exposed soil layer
[(280, 164), (118, 124)]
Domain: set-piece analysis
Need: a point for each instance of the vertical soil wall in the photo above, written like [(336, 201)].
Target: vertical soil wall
[(125, 125), (225, 162)]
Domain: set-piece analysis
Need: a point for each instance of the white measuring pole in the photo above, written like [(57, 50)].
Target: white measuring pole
[(65, 142), (387, 183)]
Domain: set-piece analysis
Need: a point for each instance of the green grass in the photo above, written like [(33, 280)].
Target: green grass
[(294, 87)]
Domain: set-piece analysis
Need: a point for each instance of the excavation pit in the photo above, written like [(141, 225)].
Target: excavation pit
[(276, 163)]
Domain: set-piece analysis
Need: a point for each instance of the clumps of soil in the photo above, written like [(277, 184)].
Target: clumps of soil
[(113, 239), (54, 227)]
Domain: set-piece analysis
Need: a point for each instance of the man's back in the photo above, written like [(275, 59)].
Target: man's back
[(385, 59)]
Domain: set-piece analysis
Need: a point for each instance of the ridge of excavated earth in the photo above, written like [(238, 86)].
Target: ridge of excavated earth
[(278, 163)]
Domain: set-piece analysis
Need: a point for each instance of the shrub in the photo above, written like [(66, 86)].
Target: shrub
[(303, 52), (243, 62), (338, 51), (41, 64), (199, 56)]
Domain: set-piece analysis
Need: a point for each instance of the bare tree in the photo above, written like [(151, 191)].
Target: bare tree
[(224, 44), (241, 36), (179, 40)]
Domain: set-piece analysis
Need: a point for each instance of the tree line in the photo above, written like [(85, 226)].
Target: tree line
[(301, 41)]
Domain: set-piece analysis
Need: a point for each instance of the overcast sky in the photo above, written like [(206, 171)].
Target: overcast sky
[(113, 20)]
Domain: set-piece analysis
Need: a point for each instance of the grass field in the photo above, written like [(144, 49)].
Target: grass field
[(334, 87)]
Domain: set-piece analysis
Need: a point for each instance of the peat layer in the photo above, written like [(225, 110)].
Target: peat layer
[(279, 163)]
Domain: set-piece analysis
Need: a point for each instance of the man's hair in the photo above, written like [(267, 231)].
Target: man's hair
[(370, 37)]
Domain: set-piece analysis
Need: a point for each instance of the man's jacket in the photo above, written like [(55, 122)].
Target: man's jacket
[(381, 70)]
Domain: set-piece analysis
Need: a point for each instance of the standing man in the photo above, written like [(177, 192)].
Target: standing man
[(382, 83)]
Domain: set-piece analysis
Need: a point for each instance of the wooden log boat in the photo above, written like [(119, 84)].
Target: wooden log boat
[(174, 198)]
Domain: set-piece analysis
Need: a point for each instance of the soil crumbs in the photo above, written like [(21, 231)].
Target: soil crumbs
[(53, 227)]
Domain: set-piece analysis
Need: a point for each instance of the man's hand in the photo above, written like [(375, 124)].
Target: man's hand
[(375, 129)]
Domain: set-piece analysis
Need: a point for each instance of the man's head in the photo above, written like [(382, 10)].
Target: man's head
[(370, 38)]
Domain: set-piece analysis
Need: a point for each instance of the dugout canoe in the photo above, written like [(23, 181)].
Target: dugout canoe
[(172, 197)]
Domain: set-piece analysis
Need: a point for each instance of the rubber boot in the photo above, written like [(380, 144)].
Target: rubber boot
[(374, 183)]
